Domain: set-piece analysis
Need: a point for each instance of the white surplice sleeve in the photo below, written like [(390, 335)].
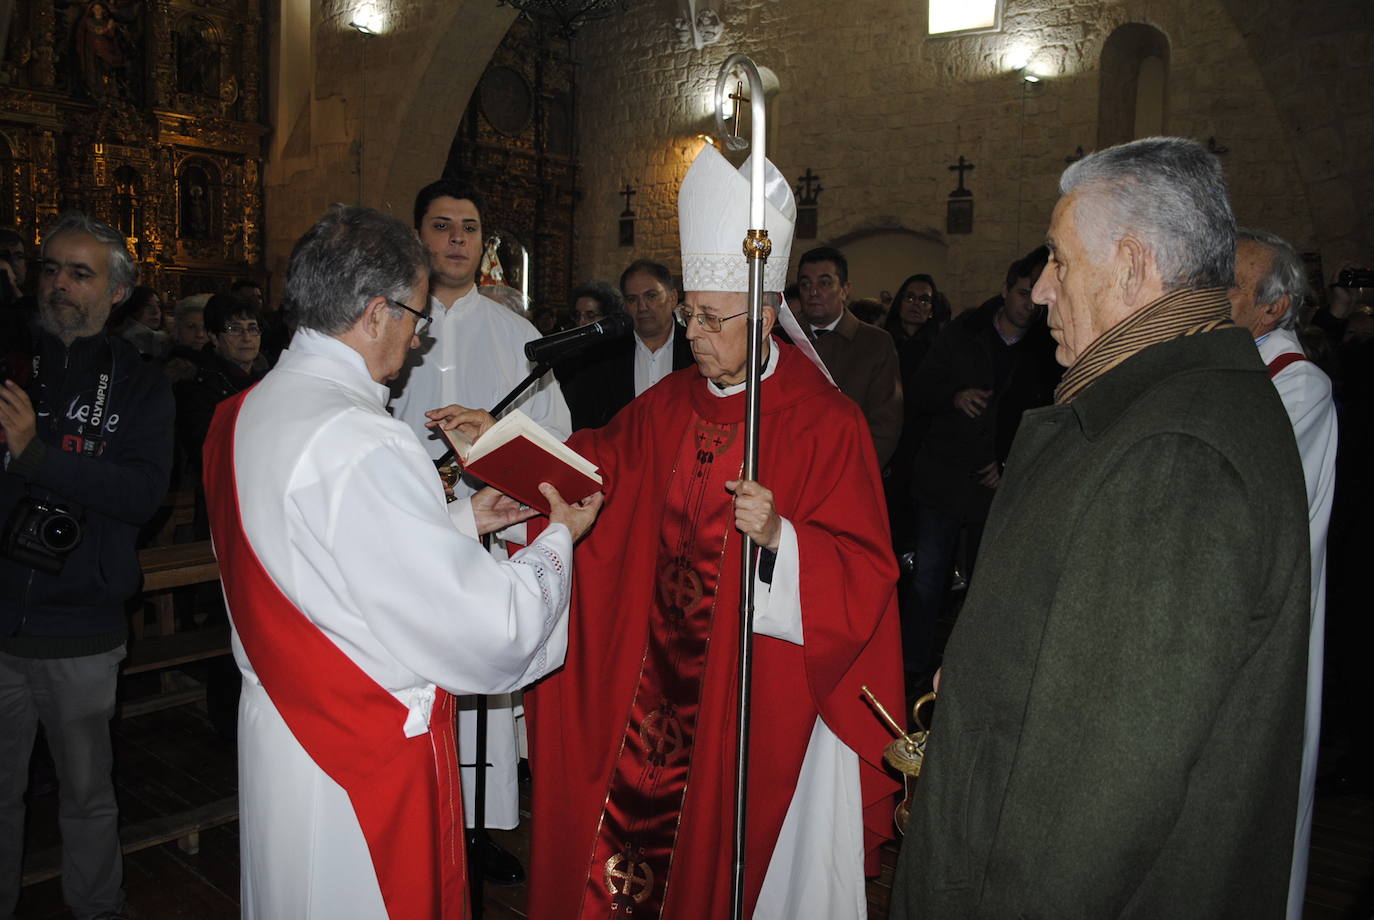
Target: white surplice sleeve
[(432, 596), (777, 606)]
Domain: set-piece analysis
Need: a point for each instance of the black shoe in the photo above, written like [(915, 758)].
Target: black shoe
[(498, 865)]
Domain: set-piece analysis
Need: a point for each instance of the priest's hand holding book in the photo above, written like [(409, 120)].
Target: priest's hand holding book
[(529, 470)]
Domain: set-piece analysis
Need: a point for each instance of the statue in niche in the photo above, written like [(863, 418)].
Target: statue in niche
[(198, 59), (126, 205), (698, 25), (105, 48), (194, 196)]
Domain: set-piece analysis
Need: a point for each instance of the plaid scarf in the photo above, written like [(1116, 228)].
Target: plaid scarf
[(1176, 314)]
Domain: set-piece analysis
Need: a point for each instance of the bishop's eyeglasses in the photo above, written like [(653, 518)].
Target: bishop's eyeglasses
[(421, 323), (708, 321)]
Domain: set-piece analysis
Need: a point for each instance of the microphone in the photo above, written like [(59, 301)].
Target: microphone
[(562, 344)]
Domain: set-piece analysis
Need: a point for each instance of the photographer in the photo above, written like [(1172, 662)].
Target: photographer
[(86, 448)]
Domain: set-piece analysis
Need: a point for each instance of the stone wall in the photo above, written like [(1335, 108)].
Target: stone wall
[(879, 111), (389, 102)]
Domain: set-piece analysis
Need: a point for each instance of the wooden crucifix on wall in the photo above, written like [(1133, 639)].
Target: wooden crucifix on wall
[(808, 190), (959, 216), (627, 217)]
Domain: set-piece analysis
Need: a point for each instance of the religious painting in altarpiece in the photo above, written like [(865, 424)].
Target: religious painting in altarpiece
[(147, 114)]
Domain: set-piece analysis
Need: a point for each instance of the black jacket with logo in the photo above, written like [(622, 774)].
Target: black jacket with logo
[(116, 489)]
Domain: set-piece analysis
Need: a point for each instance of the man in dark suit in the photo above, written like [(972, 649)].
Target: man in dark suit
[(861, 358), (608, 377)]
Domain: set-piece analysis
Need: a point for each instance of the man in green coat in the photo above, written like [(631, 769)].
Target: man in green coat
[(1118, 728)]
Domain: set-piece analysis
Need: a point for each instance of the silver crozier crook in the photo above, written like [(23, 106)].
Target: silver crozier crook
[(756, 249)]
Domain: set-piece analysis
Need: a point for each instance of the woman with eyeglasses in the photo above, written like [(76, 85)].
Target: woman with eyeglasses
[(227, 367), (913, 321)]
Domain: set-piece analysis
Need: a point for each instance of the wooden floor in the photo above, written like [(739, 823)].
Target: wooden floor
[(172, 760)]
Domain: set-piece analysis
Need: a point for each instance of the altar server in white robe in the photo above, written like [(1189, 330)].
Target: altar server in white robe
[(475, 359), (1270, 286), (339, 505)]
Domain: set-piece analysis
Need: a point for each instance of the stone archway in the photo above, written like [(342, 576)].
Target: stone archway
[(1306, 54), (879, 260), (368, 118), (426, 113)]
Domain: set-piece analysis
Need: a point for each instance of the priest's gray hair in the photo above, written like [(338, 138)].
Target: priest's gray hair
[(1167, 192), (350, 256), (123, 269), (1285, 277)]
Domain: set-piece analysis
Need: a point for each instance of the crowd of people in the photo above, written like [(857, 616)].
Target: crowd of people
[(1108, 486)]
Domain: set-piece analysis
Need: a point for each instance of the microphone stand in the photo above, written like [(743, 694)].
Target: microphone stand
[(479, 763), (540, 369)]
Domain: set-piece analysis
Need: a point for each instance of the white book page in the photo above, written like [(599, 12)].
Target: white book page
[(517, 424)]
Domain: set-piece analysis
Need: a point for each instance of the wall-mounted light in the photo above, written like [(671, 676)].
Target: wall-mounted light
[(366, 20), (1029, 77)]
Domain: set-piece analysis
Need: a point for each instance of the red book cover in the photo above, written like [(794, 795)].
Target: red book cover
[(519, 466), (515, 456)]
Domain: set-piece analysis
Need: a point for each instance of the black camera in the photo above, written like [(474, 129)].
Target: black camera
[(1355, 278), (41, 535)]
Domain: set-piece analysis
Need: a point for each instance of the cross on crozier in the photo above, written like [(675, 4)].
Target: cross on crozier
[(736, 98)]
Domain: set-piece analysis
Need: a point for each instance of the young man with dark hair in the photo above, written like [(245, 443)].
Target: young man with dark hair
[(475, 358), (986, 368)]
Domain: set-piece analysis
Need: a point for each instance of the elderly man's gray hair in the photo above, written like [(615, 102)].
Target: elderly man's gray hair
[(1169, 193), (123, 269), (1285, 276), (351, 255)]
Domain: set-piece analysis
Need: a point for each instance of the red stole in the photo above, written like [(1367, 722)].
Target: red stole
[(637, 837), (403, 790), (1277, 366)]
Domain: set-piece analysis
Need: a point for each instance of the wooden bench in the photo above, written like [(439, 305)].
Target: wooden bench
[(166, 568), (178, 510), (162, 653), (184, 827)]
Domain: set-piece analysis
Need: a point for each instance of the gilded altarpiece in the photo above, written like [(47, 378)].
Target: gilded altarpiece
[(147, 114), (516, 142)]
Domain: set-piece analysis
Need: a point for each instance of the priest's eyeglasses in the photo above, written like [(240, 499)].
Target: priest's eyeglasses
[(423, 321), (708, 321)]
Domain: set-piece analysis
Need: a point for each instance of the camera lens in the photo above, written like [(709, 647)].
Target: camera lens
[(60, 532)]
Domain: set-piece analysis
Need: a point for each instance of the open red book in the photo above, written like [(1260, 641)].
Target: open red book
[(515, 455)]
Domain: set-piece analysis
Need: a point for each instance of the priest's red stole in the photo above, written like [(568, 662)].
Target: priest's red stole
[(629, 871), (405, 791)]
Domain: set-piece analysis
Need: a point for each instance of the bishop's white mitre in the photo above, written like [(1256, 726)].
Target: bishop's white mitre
[(713, 220)]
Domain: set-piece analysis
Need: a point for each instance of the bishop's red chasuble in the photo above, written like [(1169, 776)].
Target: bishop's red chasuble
[(404, 790), (633, 740)]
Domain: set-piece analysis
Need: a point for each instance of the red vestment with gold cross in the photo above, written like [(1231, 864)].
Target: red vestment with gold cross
[(633, 741)]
